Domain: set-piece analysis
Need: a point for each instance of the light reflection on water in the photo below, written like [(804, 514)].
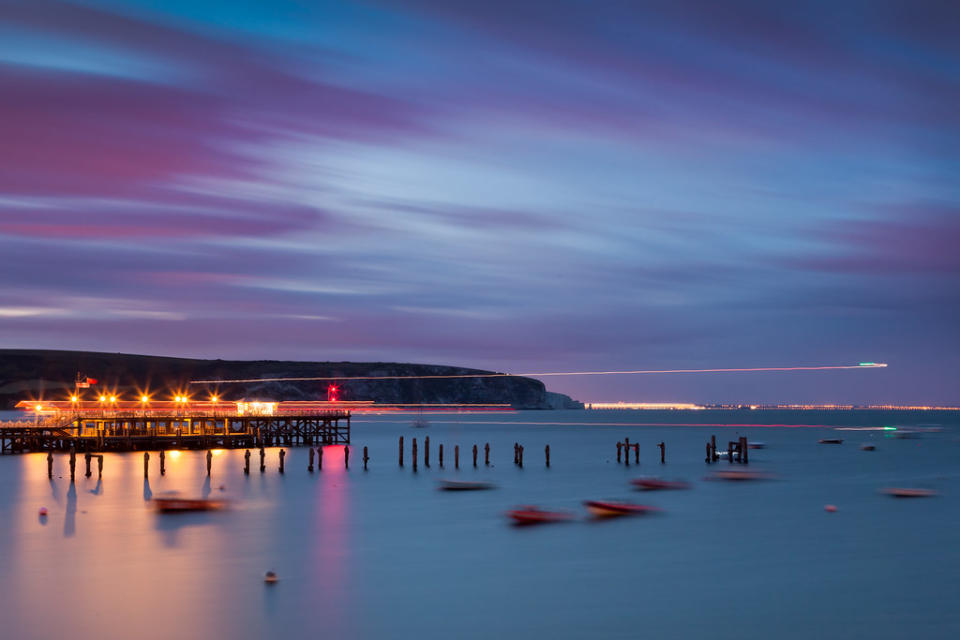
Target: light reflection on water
[(381, 553)]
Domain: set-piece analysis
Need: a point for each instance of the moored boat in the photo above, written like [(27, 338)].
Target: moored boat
[(179, 505), (609, 509), (535, 515), (739, 475), (459, 485), (831, 441), (656, 484)]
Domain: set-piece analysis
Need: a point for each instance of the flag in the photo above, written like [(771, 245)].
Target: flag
[(91, 381)]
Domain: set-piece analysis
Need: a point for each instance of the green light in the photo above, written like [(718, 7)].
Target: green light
[(889, 428), (868, 364)]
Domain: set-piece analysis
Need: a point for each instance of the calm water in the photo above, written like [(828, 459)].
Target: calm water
[(382, 553)]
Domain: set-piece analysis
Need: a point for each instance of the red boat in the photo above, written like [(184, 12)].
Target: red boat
[(655, 484), (180, 505), (604, 509), (535, 515), (898, 492), (739, 475)]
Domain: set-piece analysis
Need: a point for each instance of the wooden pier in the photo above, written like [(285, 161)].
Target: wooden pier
[(138, 432)]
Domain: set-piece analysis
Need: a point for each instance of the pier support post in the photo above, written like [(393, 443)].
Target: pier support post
[(366, 458), (400, 452), (283, 454), (663, 452), (745, 447), (709, 457), (619, 446), (263, 460), (319, 458), (474, 456), (626, 451), (456, 456), (426, 451), (50, 465), (246, 462), (310, 466), (209, 461), (546, 454), (87, 459), (163, 462), (100, 465), (516, 453), (486, 455), (440, 454), (636, 453), (713, 448), (521, 456), (146, 464), (414, 454), (730, 451), (73, 462), (346, 456)]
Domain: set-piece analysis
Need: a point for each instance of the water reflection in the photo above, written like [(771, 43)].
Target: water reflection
[(98, 489), (70, 521), (147, 493)]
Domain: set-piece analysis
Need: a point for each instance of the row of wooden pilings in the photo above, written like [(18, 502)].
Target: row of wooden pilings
[(736, 451), (414, 449), (624, 448)]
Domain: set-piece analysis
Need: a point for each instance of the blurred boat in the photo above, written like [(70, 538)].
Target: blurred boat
[(535, 515), (656, 484), (179, 505), (899, 492), (739, 475), (605, 509), (831, 441), (458, 485), (756, 445), (868, 447)]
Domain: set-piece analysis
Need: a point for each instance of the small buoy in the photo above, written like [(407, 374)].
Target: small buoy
[(43, 512), (270, 578), (222, 488), (830, 508)]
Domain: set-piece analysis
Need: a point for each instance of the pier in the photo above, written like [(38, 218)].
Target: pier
[(187, 428)]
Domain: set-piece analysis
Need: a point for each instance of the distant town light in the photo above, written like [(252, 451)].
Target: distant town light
[(39, 407), (144, 399), (73, 398), (113, 398), (103, 398), (214, 399)]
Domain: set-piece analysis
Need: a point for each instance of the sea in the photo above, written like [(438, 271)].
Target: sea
[(382, 553)]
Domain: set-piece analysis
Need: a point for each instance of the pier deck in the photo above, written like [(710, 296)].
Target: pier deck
[(131, 432)]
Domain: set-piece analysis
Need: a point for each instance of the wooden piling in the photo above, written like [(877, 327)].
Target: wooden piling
[(456, 456), (87, 459), (319, 458), (163, 462), (246, 462), (50, 465), (709, 457), (146, 464), (474, 456), (626, 451), (486, 455), (414, 454), (426, 451), (100, 465), (516, 453), (619, 446), (73, 463), (263, 460), (440, 454), (546, 454), (713, 448), (366, 458), (636, 453), (209, 461), (400, 453), (663, 452), (283, 454), (521, 456), (310, 464), (730, 451), (346, 456), (746, 448)]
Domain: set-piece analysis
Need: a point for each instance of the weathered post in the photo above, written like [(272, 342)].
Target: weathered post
[(426, 451), (346, 456), (366, 458), (246, 462), (746, 447), (636, 452), (709, 458), (663, 452), (319, 458), (730, 451), (310, 465), (263, 460), (87, 459), (626, 451), (50, 465), (713, 448), (209, 461), (100, 465), (283, 454), (486, 454), (146, 463), (456, 456), (414, 454), (546, 453), (474, 456), (400, 452), (73, 462), (163, 462), (440, 454), (619, 446), (521, 456), (516, 453)]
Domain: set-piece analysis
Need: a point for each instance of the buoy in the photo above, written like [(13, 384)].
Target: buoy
[(830, 508), (43, 512), (222, 488), (270, 578)]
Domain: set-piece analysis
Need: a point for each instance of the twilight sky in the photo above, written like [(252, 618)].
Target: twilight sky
[(521, 186)]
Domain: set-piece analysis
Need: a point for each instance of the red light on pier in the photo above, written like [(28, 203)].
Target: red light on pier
[(332, 391)]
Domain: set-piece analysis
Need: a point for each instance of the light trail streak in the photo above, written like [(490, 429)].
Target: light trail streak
[(862, 365)]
